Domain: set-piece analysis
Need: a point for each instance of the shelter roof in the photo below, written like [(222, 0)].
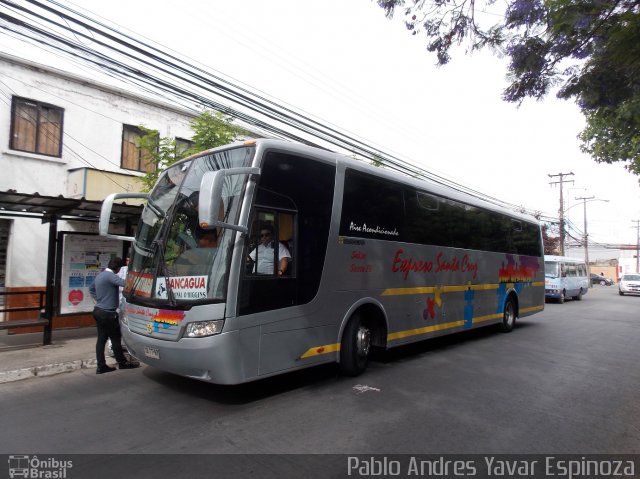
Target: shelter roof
[(49, 208)]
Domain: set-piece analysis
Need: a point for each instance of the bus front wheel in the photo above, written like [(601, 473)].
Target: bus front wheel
[(509, 316), (355, 347)]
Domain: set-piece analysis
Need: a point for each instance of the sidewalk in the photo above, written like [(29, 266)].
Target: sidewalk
[(23, 356)]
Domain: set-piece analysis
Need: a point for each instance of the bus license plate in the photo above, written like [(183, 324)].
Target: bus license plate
[(152, 352)]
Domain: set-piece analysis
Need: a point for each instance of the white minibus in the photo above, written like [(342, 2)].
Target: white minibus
[(565, 277)]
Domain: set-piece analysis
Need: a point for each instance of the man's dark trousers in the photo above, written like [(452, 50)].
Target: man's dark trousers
[(108, 328)]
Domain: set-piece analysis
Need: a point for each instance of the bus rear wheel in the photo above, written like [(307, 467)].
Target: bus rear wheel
[(509, 316), (355, 347)]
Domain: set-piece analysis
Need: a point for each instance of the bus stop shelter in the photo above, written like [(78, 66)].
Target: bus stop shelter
[(50, 210)]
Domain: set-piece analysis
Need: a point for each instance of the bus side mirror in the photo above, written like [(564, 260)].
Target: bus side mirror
[(105, 214), (210, 198)]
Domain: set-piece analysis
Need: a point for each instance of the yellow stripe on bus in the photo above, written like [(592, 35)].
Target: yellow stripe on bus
[(439, 327), (318, 350), (531, 309), (427, 329), (332, 348), (440, 289), (453, 324), (449, 289), (487, 317)]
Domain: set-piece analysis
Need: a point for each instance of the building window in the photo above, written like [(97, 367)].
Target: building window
[(133, 156), (182, 146), (36, 127)]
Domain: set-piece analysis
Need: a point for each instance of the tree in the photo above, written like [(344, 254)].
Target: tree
[(160, 151), (210, 129), (213, 129), (551, 243), (377, 161), (590, 49)]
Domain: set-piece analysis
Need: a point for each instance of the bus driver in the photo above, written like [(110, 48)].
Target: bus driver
[(264, 252)]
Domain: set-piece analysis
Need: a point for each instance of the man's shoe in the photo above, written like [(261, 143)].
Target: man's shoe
[(104, 369), (129, 365)]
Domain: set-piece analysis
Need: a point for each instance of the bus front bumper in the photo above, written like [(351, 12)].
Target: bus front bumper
[(552, 293), (213, 359)]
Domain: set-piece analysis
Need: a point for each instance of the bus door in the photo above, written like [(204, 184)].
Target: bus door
[(292, 208), (270, 269)]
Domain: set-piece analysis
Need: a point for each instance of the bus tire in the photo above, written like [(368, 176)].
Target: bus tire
[(562, 297), (355, 347), (509, 316), (579, 296)]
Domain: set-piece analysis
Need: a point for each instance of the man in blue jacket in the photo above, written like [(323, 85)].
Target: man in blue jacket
[(105, 291)]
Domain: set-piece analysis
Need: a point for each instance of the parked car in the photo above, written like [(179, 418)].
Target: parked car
[(599, 279), (629, 284)]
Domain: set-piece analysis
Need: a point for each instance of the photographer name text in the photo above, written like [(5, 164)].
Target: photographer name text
[(490, 466)]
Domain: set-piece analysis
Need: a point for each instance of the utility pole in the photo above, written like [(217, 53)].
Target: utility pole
[(561, 209), (586, 235), (637, 222)]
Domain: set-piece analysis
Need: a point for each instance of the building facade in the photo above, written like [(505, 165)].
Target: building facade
[(62, 134), (609, 262)]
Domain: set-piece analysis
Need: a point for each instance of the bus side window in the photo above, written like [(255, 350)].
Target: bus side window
[(261, 252), (286, 229), (269, 245)]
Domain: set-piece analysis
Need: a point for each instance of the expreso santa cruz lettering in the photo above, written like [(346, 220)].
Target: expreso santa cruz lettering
[(454, 264), (264, 257)]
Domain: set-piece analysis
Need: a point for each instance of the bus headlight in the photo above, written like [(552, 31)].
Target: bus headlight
[(200, 329)]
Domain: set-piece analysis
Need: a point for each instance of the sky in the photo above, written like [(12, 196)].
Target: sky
[(345, 63)]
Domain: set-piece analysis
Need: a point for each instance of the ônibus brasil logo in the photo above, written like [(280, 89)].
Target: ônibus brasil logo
[(33, 467)]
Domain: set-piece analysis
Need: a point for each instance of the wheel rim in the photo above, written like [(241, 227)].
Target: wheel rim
[(363, 341), (509, 314)]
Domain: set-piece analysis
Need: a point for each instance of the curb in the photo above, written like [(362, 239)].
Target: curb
[(46, 370)]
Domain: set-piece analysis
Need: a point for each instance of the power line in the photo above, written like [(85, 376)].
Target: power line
[(155, 70), (637, 222)]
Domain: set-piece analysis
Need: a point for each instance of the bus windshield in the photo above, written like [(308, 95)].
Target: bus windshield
[(551, 269), (173, 259)]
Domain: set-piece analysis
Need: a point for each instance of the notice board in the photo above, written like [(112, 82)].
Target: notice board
[(83, 257)]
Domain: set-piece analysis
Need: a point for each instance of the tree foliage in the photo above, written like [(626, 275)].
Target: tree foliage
[(551, 243), (588, 49), (210, 129)]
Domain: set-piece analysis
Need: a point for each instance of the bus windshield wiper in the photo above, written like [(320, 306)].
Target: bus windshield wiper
[(159, 247)]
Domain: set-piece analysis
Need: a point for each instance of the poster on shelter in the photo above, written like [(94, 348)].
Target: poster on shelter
[(83, 257)]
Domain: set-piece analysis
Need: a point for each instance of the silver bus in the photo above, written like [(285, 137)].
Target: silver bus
[(255, 259)]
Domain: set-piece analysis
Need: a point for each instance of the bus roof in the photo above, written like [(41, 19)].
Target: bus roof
[(337, 159), (562, 259)]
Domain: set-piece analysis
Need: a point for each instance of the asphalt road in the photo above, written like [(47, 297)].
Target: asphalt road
[(565, 381)]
